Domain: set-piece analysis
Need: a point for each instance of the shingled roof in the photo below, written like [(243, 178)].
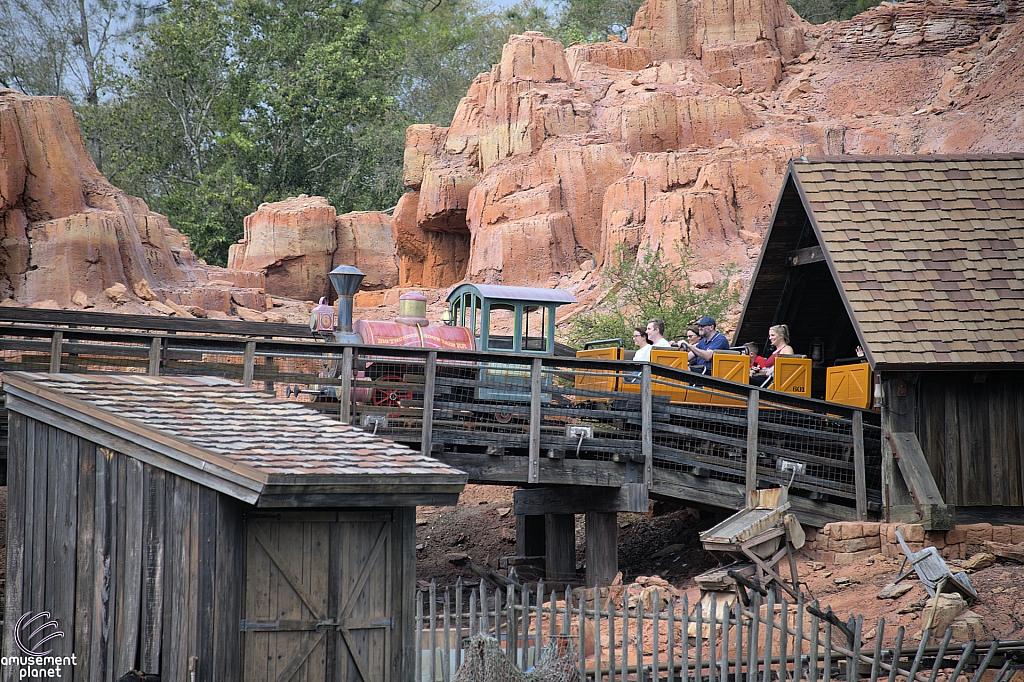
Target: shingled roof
[(928, 252), (246, 444)]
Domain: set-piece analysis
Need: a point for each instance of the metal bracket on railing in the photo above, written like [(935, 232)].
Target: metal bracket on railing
[(375, 420)]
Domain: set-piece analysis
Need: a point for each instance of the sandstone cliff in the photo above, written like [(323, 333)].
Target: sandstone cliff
[(681, 135)]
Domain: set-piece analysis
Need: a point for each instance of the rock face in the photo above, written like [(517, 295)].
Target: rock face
[(680, 136), (298, 241), (63, 227)]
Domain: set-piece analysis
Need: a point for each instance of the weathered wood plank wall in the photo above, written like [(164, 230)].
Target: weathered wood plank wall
[(140, 569), (971, 427)]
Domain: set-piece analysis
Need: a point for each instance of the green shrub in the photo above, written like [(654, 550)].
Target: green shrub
[(647, 286)]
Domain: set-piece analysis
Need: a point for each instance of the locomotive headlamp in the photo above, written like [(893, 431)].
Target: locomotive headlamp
[(446, 316)]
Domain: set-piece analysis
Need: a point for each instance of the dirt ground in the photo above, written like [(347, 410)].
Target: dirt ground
[(665, 543)]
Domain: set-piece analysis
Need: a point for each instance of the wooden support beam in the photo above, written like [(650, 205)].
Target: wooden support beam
[(812, 254), (602, 556), (345, 396), (530, 535), (631, 497), (533, 472), (430, 376), (249, 363), (560, 547), (929, 508), (753, 404), (646, 424), (899, 414), (156, 346), (56, 344), (859, 472)]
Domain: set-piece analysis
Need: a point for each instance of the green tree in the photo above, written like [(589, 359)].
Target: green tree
[(593, 20), (820, 11), (646, 286)]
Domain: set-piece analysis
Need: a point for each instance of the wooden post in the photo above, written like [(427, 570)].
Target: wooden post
[(560, 547), (899, 413), (859, 474), (533, 473), (429, 376), (601, 548), (156, 346), (56, 349), (345, 395), (249, 363), (646, 427), (753, 403)]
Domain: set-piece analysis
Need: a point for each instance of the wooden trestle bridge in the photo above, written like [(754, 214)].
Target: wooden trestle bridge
[(503, 418)]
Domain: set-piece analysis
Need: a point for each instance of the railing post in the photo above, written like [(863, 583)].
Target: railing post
[(859, 475), (646, 426), (345, 396), (156, 347), (533, 473), (249, 363), (429, 376), (56, 348), (753, 403)]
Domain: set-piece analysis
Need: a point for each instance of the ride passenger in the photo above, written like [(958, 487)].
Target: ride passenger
[(711, 340), (644, 345), (756, 361), (778, 337), (656, 335)]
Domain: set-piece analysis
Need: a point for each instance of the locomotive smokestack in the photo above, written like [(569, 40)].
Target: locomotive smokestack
[(346, 280)]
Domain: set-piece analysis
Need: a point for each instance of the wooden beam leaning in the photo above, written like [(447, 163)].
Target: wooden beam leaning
[(533, 471), (249, 363), (753, 404), (345, 396), (646, 425), (929, 508), (156, 347), (631, 497), (56, 345), (859, 472), (429, 379)]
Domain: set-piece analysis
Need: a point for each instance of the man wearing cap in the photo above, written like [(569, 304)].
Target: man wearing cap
[(710, 341)]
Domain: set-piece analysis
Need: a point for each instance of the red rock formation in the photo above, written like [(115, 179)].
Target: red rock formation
[(64, 227), (364, 239), (293, 243), (681, 135)]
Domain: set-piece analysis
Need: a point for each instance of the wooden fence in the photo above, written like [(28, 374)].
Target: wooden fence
[(502, 417), (758, 639)]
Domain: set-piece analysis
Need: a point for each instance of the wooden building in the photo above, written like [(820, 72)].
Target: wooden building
[(179, 525), (919, 260)]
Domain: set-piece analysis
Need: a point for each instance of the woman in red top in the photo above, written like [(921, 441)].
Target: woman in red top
[(778, 337)]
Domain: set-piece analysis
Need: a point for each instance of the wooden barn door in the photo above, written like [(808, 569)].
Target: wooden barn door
[(319, 598)]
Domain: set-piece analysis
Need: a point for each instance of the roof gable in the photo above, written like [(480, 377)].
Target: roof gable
[(927, 251)]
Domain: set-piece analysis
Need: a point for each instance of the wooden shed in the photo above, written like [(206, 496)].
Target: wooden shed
[(184, 524), (920, 260)]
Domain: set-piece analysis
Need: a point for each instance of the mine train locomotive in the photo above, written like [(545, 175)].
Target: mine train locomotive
[(521, 320)]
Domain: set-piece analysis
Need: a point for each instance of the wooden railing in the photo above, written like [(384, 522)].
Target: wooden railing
[(515, 419), (662, 637)]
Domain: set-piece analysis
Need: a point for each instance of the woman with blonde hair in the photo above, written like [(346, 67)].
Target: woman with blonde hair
[(778, 337)]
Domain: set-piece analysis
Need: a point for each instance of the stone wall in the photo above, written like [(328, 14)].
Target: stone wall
[(849, 542)]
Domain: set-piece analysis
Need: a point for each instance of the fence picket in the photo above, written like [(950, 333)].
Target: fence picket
[(656, 623), (597, 636), (738, 615), (813, 672), (418, 663), (639, 640), (853, 662), (458, 624), (581, 628), (827, 672), (940, 654), (783, 639), (965, 656), (540, 617), (433, 631), (985, 662), (798, 647), (625, 637), (897, 650), (724, 673), (755, 623), (611, 639), (670, 637), (472, 614), (712, 638), (484, 625), (769, 622), (446, 662), (511, 625), (698, 643), (879, 634), (684, 635)]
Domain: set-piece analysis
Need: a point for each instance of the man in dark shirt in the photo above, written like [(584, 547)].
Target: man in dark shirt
[(710, 341)]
